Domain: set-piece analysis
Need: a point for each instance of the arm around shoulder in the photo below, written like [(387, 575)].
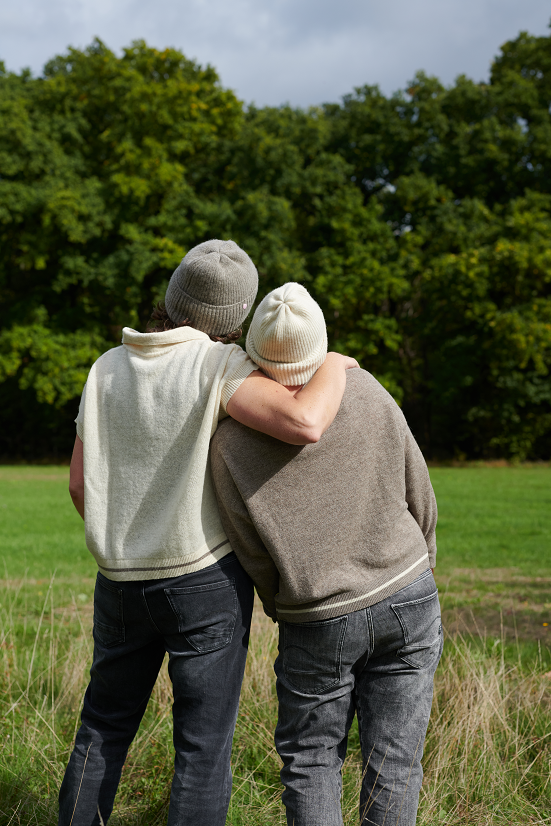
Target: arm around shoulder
[(298, 417)]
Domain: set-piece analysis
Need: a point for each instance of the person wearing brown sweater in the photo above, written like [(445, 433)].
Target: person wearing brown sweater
[(339, 539)]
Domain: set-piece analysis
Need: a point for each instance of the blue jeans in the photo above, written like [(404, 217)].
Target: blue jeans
[(202, 620), (379, 663)]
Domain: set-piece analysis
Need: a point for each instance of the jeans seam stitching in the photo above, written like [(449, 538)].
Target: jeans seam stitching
[(207, 586), (341, 645), (152, 621), (414, 601), (371, 631)]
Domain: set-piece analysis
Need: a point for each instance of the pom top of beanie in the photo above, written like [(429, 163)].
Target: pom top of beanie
[(214, 287), (287, 337)]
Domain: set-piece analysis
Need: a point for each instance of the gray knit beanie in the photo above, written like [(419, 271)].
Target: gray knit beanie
[(287, 337), (214, 286)]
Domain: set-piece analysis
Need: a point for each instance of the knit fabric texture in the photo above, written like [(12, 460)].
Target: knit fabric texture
[(146, 419), (287, 337), (214, 287), (334, 526)]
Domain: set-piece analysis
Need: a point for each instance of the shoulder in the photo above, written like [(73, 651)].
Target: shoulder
[(224, 351), (240, 447), (108, 359), (360, 384), (227, 436), (230, 356), (365, 396), (230, 436)]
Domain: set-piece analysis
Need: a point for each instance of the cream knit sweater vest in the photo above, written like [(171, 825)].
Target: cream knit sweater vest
[(146, 418)]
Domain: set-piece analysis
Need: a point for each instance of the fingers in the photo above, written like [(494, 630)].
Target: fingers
[(347, 361)]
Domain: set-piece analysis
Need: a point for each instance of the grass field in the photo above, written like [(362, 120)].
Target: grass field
[(487, 758)]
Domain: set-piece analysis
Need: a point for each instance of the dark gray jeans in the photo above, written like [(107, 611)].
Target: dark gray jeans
[(202, 619), (379, 663)]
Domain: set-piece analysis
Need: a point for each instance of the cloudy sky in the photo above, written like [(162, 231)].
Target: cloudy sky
[(275, 51)]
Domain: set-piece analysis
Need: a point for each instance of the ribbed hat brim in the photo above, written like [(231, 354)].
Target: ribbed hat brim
[(211, 318), (290, 373)]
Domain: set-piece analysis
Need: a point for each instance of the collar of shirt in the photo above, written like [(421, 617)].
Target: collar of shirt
[(130, 336), (153, 343)]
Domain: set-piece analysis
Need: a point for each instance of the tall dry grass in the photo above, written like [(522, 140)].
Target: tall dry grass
[(487, 756)]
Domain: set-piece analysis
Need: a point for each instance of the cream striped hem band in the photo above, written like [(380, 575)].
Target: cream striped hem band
[(356, 599), (166, 567)]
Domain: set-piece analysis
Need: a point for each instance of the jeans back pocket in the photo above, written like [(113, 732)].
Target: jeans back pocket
[(422, 628), (311, 654), (206, 614)]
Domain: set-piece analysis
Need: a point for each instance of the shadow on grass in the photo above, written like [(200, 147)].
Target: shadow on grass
[(21, 805)]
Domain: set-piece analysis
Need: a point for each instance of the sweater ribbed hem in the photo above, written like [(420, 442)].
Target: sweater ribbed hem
[(347, 603), (236, 380), (127, 570)]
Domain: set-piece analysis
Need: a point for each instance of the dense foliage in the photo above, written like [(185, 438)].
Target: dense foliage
[(421, 222)]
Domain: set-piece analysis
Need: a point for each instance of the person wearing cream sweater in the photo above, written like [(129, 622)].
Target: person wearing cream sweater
[(168, 580), (339, 539)]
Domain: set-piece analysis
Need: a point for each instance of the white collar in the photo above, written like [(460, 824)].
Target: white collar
[(179, 334)]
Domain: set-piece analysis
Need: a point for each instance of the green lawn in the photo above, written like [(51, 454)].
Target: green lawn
[(488, 518), (40, 530), (494, 518), (494, 553)]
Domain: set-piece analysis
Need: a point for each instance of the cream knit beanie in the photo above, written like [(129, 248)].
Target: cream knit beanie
[(287, 337)]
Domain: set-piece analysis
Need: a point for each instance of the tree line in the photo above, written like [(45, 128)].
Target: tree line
[(420, 221)]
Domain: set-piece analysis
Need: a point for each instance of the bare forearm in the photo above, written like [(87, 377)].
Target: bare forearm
[(78, 501), (295, 416), (318, 403)]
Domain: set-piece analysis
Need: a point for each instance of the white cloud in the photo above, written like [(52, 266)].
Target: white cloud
[(272, 51)]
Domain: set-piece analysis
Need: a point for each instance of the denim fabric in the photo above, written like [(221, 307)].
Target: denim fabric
[(202, 620), (379, 663)]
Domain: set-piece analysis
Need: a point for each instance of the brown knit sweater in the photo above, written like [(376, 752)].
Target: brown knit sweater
[(331, 527)]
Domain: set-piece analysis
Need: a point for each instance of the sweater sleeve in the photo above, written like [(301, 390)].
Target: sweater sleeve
[(238, 368), (419, 494), (239, 528)]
